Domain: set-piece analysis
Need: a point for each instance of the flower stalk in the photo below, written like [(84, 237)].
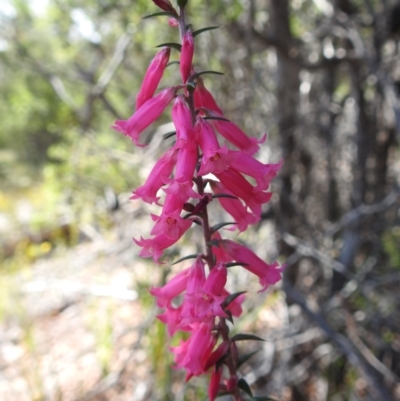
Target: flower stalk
[(196, 300)]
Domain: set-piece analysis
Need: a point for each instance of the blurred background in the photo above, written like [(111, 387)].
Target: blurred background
[(322, 77)]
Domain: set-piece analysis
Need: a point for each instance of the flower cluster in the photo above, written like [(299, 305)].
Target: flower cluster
[(196, 300)]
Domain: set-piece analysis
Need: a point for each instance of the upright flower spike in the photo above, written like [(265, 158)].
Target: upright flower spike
[(145, 116), (196, 301), (153, 77), (186, 59)]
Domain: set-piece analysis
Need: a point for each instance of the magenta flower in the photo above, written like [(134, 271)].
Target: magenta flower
[(204, 299), (158, 176), (204, 99), (154, 247), (193, 353), (213, 387), (234, 207), (262, 173), (215, 159), (145, 116), (268, 274), (170, 222), (232, 133), (174, 287), (183, 123), (153, 77), (221, 256), (240, 187), (173, 319), (186, 58)]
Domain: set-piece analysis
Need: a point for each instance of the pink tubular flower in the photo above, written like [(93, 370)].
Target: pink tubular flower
[(234, 207), (187, 51), (194, 352), (220, 254), (240, 187), (213, 387), (170, 222), (154, 247), (203, 98), (158, 176), (204, 300), (153, 76), (146, 115), (263, 173), (174, 287), (232, 133), (215, 159), (268, 274), (183, 122)]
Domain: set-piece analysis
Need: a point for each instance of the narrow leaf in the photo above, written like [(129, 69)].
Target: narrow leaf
[(243, 385), (245, 357), (176, 46), (230, 317), (193, 256), (231, 298), (206, 72), (160, 14), (169, 134), (214, 117), (209, 28), (224, 196), (213, 242), (220, 225), (244, 337), (173, 62)]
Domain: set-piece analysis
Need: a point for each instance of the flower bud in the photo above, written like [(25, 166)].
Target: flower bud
[(153, 76), (186, 56), (165, 5)]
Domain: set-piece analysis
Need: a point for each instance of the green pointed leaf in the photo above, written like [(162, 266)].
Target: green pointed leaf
[(193, 256), (230, 317), (220, 225), (206, 72), (208, 28), (245, 337), (243, 385), (215, 117), (245, 357), (231, 298), (233, 264), (176, 46), (173, 62), (160, 14), (169, 134), (224, 196)]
